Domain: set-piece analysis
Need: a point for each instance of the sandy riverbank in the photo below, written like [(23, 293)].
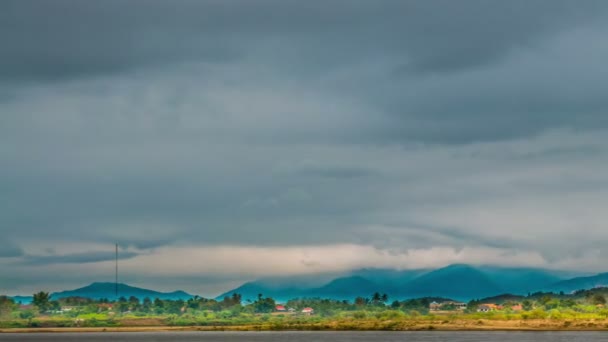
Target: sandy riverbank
[(405, 325)]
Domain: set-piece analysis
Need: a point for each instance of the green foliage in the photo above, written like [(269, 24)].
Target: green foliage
[(7, 305), (598, 299), (42, 301), (27, 314), (264, 305), (362, 313)]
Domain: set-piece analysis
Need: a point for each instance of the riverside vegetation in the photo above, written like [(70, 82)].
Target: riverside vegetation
[(582, 310)]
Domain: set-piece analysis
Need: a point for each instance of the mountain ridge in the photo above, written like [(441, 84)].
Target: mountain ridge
[(99, 290), (458, 281)]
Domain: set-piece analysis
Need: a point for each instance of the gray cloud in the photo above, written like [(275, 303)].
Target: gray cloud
[(403, 125), (9, 250), (337, 172), (76, 258), (71, 38)]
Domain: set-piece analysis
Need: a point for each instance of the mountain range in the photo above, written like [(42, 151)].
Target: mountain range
[(108, 290), (460, 282)]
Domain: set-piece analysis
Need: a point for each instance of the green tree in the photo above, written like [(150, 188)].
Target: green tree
[(6, 306), (544, 299), (54, 305), (27, 314), (527, 305), (122, 307), (147, 304), (159, 306), (598, 299), (552, 304), (264, 305), (360, 301), (42, 301), (568, 303)]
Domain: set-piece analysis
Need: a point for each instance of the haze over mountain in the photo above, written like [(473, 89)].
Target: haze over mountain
[(569, 285), (461, 282)]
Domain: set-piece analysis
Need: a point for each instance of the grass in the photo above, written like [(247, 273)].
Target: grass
[(390, 322)]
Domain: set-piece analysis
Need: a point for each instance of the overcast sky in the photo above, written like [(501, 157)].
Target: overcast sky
[(222, 141)]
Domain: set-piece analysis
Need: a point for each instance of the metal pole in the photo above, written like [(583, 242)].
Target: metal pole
[(116, 282)]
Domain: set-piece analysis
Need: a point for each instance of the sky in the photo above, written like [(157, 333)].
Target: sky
[(221, 141)]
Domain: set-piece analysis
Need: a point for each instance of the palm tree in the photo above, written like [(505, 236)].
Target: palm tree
[(384, 298)]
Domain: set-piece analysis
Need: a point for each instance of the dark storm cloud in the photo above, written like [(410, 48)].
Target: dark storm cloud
[(431, 61), (70, 38), (401, 125)]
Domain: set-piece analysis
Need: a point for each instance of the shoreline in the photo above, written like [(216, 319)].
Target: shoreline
[(487, 326)]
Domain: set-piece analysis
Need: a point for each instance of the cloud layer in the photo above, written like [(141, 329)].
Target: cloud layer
[(423, 132)]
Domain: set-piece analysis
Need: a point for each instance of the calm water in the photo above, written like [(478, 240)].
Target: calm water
[(317, 336)]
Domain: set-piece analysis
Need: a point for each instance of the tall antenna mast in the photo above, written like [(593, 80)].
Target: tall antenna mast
[(116, 282)]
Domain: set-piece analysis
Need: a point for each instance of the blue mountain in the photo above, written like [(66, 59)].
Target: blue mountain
[(22, 299), (523, 280), (462, 282), (581, 283), (389, 278), (107, 290), (344, 288), (250, 291)]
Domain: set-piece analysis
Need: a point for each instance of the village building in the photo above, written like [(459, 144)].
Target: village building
[(489, 307), (104, 307), (308, 311), (280, 308), (457, 305), (447, 306), (484, 308), (434, 306)]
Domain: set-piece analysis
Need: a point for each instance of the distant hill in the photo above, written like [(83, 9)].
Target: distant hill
[(344, 288), (250, 291), (22, 299), (107, 290), (462, 282), (389, 278), (581, 283), (501, 299), (523, 280)]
